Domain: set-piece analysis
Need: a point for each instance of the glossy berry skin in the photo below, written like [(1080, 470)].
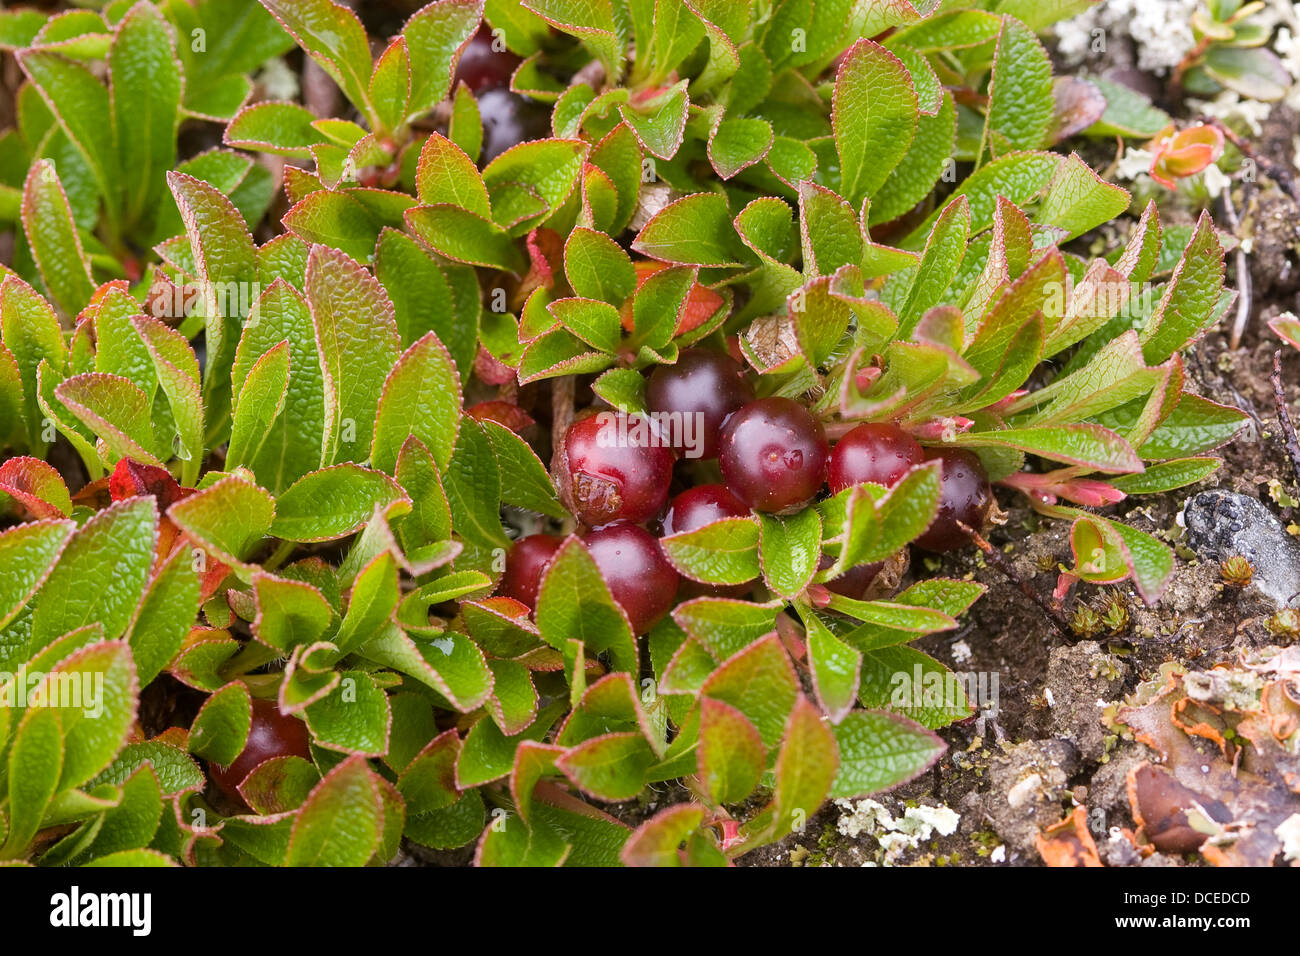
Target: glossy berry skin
[(701, 505), (608, 469), (965, 496), (271, 734), (704, 383), (508, 120), (481, 67), (524, 564), (881, 454), (854, 582), (639, 577), (773, 455)]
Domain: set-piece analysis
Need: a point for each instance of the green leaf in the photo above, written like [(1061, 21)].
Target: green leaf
[(279, 785), (261, 401), (1020, 91), (805, 770), (177, 773), (30, 331), (610, 767), (81, 105), (737, 143), (1078, 199), (284, 129), (293, 445), (52, 233), (473, 486), (289, 613), (574, 603), (421, 397), (829, 230), (220, 729), (511, 842), (465, 237), (924, 163), (943, 254), (341, 822), (1189, 300), (114, 409), (335, 502), (353, 718), (760, 682), (430, 518), (430, 297), (1195, 425), (35, 766), (28, 553), (331, 35), (1253, 72), (591, 21), (115, 550), (1128, 112), (359, 344), (229, 518), (146, 90), (721, 552), (594, 322), (731, 754), (1016, 177), (546, 168), (1167, 476), (789, 548), (1090, 446), (655, 842), (390, 86), (905, 512), (836, 669), (466, 126), (597, 267), (94, 726), (874, 112), (349, 220), (445, 174), (435, 35), (696, 230), (164, 615), (879, 751), (618, 156), (525, 482)]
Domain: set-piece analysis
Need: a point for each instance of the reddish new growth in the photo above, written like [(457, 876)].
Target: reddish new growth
[(132, 479)]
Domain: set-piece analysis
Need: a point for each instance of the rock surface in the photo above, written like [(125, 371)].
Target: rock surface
[(1222, 523)]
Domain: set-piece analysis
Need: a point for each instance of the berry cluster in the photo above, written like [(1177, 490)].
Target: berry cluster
[(773, 456)]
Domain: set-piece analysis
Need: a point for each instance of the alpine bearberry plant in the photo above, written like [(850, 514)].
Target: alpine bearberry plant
[(568, 430)]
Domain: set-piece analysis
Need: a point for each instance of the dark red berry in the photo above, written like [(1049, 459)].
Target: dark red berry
[(701, 505), (881, 454), (524, 563), (773, 455), (271, 734), (638, 575), (610, 467), (703, 388), (481, 67), (853, 583), (508, 120), (965, 496)]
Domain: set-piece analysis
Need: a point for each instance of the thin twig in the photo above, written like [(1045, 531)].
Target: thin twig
[(1284, 416), (561, 407), (1245, 295), (1054, 616)]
